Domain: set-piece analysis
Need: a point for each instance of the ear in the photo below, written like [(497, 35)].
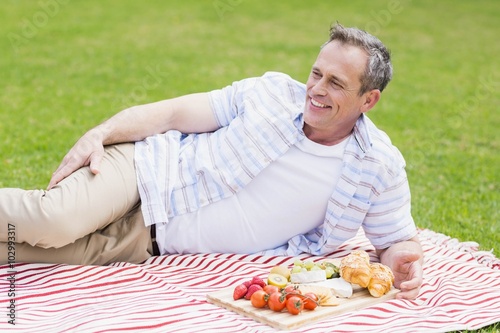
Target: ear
[(370, 99)]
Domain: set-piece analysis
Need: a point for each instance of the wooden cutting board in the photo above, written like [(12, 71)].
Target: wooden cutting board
[(360, 299)]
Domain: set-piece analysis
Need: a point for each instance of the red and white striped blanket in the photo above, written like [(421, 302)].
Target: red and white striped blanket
[(461, 290)]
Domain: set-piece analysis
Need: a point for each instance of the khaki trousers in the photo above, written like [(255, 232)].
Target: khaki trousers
[(86, 219)]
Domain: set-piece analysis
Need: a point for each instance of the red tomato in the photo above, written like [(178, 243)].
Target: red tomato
[(270, 289), (310, 301), (292, 291), (277, 301), (294, 305), (259, 299)]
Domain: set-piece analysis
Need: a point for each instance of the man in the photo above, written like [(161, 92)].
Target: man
[(265, 165)]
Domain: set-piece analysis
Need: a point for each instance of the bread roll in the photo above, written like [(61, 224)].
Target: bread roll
[(355, 268), (381, 280)]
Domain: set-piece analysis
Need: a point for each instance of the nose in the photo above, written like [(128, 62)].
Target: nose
[(319, 88)]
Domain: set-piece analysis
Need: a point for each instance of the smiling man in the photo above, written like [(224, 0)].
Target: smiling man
[(266, 165), (335, 99)]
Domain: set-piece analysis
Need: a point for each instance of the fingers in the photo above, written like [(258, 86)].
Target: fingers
[(88, 150), (71, 163), (410, 294), (53, 181), (412, 284), (95, 163), (63, 171), (411, 288), (68, 166)]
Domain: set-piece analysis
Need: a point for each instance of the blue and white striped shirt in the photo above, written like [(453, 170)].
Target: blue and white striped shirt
[(260, 119)]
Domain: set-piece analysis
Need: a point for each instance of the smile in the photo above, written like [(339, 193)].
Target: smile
[(318, 104)]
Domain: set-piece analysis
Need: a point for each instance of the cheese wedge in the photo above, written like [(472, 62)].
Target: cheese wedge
[(324, 294), (308, 277), (339, 287)]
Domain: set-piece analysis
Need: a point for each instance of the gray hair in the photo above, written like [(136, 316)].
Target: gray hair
[(378, 71)]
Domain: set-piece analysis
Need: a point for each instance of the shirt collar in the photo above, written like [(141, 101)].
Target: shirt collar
[(362, 134)]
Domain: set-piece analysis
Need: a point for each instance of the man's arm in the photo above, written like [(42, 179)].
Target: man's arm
[(405, 260), (188, 114)]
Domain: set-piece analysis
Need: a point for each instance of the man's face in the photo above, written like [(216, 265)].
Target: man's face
[(332, 101)]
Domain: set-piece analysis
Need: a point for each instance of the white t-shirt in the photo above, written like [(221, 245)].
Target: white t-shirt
[(287, 198)]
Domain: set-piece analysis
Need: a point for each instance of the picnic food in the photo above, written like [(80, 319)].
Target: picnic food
[(290, 298), (259, 299), (263, 295), (310, 301), (271, 289), (277, 280), (281, 270), (356, 268), (324, 294), (381, 281), (239, 292), (308, 277), (340, 287), (292, 289), (295, 305), (330, 269), (247, 288), (277, 301), (253, 288), (257, 280)]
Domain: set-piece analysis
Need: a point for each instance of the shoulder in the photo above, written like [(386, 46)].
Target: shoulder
[(273, 92), (381, 150), (274, 83), (282, 89), (280, 77)]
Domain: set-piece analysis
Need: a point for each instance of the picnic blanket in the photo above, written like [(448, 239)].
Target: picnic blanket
[(461, 290)]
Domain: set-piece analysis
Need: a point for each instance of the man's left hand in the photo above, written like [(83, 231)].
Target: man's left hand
[(405, 260)]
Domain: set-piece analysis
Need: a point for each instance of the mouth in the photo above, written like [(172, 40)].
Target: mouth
[(318, 104)]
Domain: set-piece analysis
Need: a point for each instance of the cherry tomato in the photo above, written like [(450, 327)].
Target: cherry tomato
[(259, 299), (294, 305), (310, 301), (277, 301), (292, 291), (271, 289)]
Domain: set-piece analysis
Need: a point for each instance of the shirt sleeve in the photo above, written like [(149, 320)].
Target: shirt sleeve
[(272, 89), (389, 218), (226, 102)]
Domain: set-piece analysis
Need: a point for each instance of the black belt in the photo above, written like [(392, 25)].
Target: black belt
[(156, 250)]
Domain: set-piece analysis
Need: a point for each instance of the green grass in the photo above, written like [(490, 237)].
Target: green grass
[(67, 67)]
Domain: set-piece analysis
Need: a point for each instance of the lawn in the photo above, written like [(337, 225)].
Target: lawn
[(67, 65)]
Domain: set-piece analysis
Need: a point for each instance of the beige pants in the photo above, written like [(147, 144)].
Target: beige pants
[(86, 219)]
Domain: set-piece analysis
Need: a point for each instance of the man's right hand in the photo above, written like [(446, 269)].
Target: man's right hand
[(87, 151)]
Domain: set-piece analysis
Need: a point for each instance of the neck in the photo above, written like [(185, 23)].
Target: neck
[(326, 139)]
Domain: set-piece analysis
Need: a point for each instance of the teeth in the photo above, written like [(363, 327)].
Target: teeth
[(318, 104)]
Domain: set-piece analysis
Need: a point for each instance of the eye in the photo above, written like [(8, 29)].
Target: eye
[(336, 85), (315, 74)]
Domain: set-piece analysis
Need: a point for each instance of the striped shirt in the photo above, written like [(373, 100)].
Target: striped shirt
[(260, 119)]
